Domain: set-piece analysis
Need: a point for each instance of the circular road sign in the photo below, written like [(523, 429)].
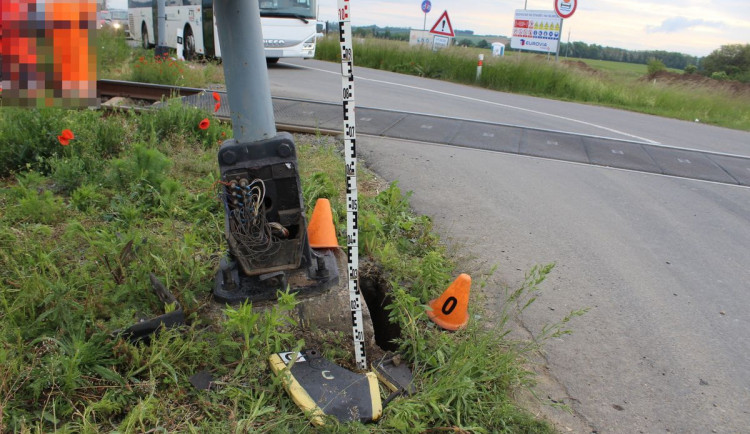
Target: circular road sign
[(426, 6), (565, 8)]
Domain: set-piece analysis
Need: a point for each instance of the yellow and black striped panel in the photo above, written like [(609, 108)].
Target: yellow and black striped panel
[(319, 387)]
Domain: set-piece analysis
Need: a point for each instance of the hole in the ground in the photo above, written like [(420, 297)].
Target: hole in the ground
[(376, 293)]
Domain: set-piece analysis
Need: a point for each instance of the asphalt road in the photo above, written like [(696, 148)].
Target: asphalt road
[(320, 81), (662, 262)]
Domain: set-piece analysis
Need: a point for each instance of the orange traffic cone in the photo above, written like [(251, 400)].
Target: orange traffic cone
[(451, 310), (320, 231)]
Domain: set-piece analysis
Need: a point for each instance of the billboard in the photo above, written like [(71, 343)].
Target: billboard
[(536, 31)]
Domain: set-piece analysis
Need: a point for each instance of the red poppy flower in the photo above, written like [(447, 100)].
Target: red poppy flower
[(65, 137), (223, 134), (216, 96), (216, 107), (205, 123)]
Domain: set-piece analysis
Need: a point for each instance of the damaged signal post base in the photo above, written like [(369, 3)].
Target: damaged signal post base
[(265, 226)]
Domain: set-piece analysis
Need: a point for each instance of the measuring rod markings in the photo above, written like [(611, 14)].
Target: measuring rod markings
[(350, 160)]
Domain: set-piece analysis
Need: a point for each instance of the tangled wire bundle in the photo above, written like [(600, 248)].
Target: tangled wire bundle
[(256, 238)]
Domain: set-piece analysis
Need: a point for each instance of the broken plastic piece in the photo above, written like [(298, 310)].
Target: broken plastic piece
[(394, 374), (145, 328), (202, 380), (319, 387)]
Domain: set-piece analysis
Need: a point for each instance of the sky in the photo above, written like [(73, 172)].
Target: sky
[(695, 27)]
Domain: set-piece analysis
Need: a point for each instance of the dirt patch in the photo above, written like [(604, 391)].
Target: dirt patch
[(582, 66), (696, 80)]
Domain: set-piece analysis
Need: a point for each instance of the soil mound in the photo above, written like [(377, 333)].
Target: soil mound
[(697, 80)]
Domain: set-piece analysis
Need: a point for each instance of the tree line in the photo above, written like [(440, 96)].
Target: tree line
[(728, 62), (593, 51)]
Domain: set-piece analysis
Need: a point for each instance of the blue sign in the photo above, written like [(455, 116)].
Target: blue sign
[(426, 6)]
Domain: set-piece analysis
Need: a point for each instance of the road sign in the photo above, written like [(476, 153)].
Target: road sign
[(529, 30), (443, 26), (439, 42), (565, 8), (426, 6)]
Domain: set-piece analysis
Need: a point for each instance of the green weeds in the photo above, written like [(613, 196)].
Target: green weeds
[(144, 67), (263, 333), (85, 224), (112, 51), (150, 69)]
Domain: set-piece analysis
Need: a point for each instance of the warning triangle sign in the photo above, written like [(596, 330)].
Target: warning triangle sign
[(443, 26)]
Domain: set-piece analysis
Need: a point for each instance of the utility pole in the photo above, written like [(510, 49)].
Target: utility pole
[(559, 38), (161, 29), (245, 70), (265, 223)]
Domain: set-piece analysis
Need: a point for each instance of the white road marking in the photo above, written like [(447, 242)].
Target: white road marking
[(552, 142), (468, 98), (493, 135), (684, 160), (615, 151), (365, 119), (427, 127)]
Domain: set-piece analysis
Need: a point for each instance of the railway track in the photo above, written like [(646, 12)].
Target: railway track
[(143, 96), (107, 89), (316, 117)]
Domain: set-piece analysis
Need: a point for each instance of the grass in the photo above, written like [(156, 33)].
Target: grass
[(617, 70), (118, 61), (82, 227), (533, 75), (111, 50)]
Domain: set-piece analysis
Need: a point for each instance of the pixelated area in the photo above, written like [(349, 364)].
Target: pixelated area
[(48, 53)]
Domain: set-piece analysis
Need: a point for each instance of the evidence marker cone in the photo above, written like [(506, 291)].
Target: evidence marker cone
[(320, 231), (451, 310)]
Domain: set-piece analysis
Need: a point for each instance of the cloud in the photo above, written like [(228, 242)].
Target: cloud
[(677, 24)]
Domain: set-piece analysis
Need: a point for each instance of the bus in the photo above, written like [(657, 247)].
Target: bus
[(290, 27)]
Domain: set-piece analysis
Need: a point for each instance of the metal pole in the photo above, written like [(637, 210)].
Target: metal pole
[(245, 70), (559, 38), (424, 24), (161, 29)]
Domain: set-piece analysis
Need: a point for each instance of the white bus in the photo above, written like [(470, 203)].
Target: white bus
[(290, 27)]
